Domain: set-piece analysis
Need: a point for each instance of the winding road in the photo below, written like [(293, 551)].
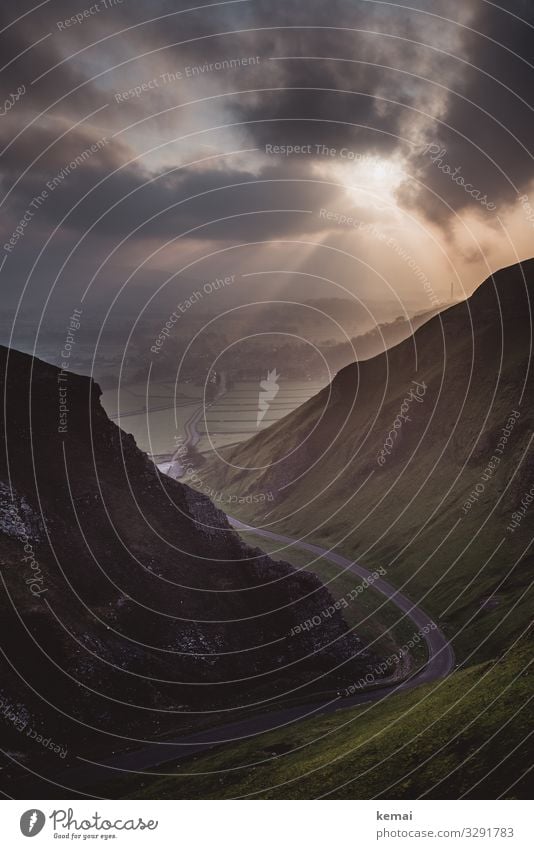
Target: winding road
[(440, 663), (440, 654)]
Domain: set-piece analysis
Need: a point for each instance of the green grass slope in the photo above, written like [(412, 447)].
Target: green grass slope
[(467, 736), (432, 502)]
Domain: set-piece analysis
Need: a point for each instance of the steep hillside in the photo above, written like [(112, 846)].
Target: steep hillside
[(465, 737), (129, 606), (418, 460)]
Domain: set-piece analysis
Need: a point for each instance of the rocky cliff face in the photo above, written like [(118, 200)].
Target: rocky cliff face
[(128, 603)]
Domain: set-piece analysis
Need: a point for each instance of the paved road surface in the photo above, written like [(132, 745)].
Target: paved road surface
[(440, 653)]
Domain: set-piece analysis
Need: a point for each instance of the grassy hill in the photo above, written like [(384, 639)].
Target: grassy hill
[(467, 736), (417, 460)]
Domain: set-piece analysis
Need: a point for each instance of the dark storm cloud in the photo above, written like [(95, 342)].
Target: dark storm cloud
[(313, 98), (165, 205), (48, 149), (332, 90), (488, 126), (485, 125), (29, 48), (129, 197), (66, 68), (463, 87)]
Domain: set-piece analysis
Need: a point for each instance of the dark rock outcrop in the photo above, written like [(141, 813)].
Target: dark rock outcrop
[(129, 604)]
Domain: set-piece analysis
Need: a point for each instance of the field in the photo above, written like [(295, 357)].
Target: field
[(233, 417), (230, 419), (169, 408)]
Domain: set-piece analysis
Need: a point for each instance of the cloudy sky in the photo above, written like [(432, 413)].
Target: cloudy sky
[(356, 147)]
